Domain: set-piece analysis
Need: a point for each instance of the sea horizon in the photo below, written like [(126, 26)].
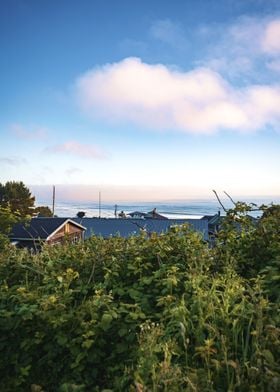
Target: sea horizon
[(193, 207)]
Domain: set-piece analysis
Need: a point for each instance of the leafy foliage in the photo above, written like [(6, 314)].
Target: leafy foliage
[(43, 211), (18, 197), (7, 220), (16, 205), (148, 313)]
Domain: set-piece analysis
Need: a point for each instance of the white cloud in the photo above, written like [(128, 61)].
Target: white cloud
[(198, 101), (132, 46), (271, 37), (75, 148), (169, 33), (274, 65), (13, 161), (246, 50), (35, 133), (246, 34), (72, 171)]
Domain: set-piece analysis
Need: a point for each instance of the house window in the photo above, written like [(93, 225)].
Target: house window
[(76, 237)]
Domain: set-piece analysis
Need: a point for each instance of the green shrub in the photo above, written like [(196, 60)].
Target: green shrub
[(148, 313)]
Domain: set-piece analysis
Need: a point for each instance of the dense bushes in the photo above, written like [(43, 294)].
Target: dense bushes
[(157, 313)]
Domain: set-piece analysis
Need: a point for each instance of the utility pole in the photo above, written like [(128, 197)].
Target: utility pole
[(53, 200), (99, 204)]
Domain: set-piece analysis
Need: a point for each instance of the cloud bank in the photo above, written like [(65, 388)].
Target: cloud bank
[(159, 97)]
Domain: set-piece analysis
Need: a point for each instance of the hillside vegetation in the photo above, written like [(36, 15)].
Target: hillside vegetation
[(148, 313)]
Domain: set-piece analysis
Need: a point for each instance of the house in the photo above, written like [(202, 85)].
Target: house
[(146, 215), (214, 223), (46, 230), (110, 227), (137, 215), (154, 215)]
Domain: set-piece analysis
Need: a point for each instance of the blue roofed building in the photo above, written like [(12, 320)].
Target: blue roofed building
[(107, 227), (54, 230)]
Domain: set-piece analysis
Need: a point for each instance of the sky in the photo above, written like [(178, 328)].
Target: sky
[(142, 100)]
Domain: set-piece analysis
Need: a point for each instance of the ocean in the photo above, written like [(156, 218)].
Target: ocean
[(171, 209)]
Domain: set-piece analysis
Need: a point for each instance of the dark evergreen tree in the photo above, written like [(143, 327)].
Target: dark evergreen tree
[(18, 197), (2, 187), (44, 211)]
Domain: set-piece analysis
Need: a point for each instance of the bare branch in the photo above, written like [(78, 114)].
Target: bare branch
[(144, 228), (91, 274), (221, 204), (230, 198)]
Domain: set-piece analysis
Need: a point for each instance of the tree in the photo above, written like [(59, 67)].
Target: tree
[(2, 187), (81, 214), (18, 197), (7, 220), (44, 211)]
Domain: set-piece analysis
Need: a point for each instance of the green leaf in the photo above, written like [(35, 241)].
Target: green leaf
[(122, 332), (268, 356), (106, 321), (61, 340), (87, 343)]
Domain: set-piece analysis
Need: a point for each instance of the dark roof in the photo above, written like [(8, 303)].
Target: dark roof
[(213, 219), (38, 228), (138, 213), (107, 227), (155, 215), (147, 215)]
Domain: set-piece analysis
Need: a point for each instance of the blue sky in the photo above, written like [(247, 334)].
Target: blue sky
[(143, 100)]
